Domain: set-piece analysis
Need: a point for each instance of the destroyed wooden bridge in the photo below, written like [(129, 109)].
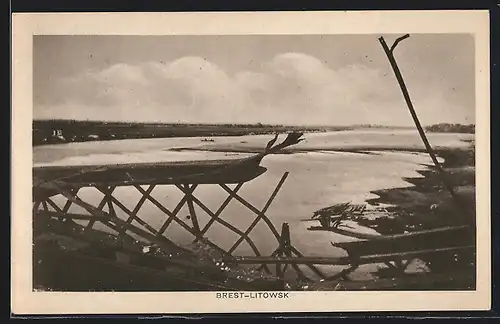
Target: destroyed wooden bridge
[(142, 256), (186, 176), (71, 254)]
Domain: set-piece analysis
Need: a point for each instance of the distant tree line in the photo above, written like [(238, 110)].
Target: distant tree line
[(451, 128), (64, 131)]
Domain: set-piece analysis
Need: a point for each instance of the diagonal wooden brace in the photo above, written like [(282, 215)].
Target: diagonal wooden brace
[(160, 241), (223, 222), (101, 205), (139, 204), (260, 213), (192, 212), (172, 215), (112, 199)]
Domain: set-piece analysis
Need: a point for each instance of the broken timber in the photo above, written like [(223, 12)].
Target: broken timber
[(50, 181), (392, 60), (186, 176)]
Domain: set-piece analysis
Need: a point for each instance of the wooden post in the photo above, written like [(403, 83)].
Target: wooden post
[(192, 212), (283, 249), (399, 77), (101, 205)]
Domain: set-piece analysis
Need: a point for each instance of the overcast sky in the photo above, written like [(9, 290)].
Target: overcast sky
[(296, 79)]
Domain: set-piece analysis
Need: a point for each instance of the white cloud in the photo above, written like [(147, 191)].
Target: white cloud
[(290, 88)]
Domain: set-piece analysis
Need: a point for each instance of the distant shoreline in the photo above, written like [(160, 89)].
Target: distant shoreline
[(72, 131), (361, 149)]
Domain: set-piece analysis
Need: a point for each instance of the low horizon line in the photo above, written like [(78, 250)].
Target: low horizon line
[(240, 123)]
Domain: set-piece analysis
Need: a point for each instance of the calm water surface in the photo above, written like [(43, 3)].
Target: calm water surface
[(316, 179)]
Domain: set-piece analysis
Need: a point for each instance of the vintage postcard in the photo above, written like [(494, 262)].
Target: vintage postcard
[(250, 162)]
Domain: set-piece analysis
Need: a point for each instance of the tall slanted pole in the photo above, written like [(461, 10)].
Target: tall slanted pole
[(399, 77)]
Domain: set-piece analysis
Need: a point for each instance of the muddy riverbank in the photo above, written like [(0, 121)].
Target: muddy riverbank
[(427, 204)]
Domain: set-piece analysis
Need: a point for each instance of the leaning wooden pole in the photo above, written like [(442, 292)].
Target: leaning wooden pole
[(389, 52)]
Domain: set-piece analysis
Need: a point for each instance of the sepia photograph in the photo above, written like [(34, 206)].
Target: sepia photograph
[(254, 165)]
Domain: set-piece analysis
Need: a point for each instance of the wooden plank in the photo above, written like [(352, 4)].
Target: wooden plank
[(138, 173), (373, 237), (152, 176), (427, 281), (376, 258), (437, 238), (358, 235), (310, 266), (73, 216), (174, 172), (287, 260)]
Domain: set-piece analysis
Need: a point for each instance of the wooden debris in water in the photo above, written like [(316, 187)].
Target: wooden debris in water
[(332, 216)]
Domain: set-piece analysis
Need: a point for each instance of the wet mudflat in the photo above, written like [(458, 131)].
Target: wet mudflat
[(326, 169)]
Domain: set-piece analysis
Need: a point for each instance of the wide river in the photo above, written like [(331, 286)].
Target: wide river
[(317, 178)]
